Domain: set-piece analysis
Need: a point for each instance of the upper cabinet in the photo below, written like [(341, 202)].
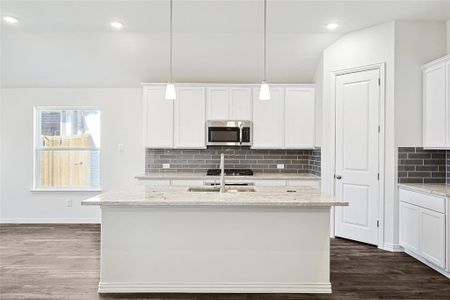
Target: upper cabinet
[(299, 118), (189, 131), (436, 104), (176, 123), (268, 120), (286, 121), (158, 118), (229, 103)]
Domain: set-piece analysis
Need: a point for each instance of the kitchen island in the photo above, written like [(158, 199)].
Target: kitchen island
[(172, 239)]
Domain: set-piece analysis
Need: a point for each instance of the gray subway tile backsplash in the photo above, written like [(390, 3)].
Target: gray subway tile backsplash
[(198, 161), (416, 165)]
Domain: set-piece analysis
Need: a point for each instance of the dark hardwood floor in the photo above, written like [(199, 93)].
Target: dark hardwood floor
[(62, 262)]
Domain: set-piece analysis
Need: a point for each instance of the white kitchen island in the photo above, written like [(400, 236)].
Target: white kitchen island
[(167, 239)]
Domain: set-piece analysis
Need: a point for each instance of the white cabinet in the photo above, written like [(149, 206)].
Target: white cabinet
[(189, 123), (268, 120), (299, 118), (422, 226), (158, 118), (436, 104), (229, 103)]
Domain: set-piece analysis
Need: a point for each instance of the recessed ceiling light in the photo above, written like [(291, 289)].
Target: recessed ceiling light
[(332, 26), (116, 25), (10, 20)]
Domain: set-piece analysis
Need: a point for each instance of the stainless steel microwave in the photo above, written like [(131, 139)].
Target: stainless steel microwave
[(228, 133)]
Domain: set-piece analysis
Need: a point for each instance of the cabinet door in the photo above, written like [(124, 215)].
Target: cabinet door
[(190, 118), (447, 78), (299, 118), (268, 123), (432, 236), (409, 226), (435, 107), (217, 103), (158, 119), (240, 104)]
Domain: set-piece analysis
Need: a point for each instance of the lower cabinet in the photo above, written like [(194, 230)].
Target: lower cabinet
[(208, 182), (422, 226)]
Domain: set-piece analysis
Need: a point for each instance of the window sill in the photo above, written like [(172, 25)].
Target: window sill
[(39, 190)]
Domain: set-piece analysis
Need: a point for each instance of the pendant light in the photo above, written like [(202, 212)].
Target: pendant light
[(171, 94), (264, 92)]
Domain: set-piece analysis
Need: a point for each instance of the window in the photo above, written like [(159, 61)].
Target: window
[(66, 148)]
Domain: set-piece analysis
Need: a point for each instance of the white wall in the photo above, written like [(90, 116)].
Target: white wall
[(365, 47), (448, 37), (121, 113), (416, 43), (318, 80)]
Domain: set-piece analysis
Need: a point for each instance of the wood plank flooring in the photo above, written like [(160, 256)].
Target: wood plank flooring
[(62, 262)]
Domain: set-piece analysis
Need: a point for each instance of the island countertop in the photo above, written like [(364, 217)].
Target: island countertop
[(142, 195)]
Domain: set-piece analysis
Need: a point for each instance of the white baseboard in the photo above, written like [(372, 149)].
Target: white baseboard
[(216, 287), (392, 247), (51, 221), (426, 262)]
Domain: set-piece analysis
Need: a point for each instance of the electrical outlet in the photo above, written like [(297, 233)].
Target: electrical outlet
[(166, 166), (69, 203), (280, 166)]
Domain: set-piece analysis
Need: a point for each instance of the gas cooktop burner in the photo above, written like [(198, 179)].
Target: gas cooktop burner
[(230, 172)]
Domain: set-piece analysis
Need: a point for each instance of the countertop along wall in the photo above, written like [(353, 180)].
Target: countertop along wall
[(121, 115)]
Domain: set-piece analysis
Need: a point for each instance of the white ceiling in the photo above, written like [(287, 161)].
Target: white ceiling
[(70, 43)]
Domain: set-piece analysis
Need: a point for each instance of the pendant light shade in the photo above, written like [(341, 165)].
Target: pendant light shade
[(171, 94), (170, 88), (264, 92)]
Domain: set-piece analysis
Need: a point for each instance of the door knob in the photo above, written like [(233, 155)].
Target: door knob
[(338, 177)]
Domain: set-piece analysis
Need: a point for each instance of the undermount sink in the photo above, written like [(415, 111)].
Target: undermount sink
[(216, 189)]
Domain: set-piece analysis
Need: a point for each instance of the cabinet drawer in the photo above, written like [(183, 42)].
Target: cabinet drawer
[(180, 182), (423, 200), (312, 183)]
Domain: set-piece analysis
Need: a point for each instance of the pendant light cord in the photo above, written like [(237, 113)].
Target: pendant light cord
[(265, 40), (170, 45)]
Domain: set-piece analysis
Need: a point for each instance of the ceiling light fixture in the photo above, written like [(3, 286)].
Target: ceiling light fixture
[(332, 26), (171, 93), (116, 25), (10, 20), (264, 92)]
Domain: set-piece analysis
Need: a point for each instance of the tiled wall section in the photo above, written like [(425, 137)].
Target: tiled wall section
[(416, 165), (448, 167), (263, 161)]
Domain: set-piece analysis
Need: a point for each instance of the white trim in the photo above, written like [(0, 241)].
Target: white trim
[(392, 247), (51, 221), (206, 85), (213, 287), (436, 62), (39, 190), (381, 145), (426, 262)]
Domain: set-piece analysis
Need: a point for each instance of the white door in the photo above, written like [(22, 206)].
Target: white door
[(435, 105), (268, 116), (299, 121), (190, 112), (217, 103), (241, 103), (158, 119), (357, 120)]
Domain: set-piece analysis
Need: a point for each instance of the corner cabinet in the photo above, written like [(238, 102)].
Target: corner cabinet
[(436, 104), (176, 123), (423, 227)]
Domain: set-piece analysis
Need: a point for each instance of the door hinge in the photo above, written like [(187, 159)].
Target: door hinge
[(379, 81), (379, 128), (378, 223), (378, 176)]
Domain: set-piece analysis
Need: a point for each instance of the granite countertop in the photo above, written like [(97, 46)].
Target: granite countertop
[(256, 176), (440, 189), (142, 195)]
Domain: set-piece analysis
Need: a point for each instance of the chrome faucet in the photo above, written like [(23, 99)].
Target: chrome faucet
[(222, 172)]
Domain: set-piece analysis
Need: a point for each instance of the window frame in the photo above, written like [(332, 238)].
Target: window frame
[(37, 149)]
